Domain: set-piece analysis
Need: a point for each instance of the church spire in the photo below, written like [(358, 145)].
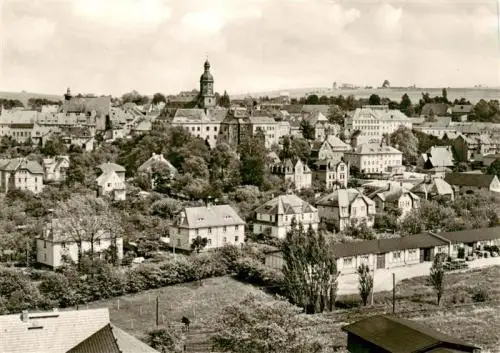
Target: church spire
[(207, 97)]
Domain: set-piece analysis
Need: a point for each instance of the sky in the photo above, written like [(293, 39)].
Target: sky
[(115, 46)]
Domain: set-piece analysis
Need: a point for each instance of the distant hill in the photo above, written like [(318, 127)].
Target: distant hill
[(24, 96)]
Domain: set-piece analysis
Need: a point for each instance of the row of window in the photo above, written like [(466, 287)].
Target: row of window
[(224, 229)]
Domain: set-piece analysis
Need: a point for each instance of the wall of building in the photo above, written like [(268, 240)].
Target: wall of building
[(217, 237)]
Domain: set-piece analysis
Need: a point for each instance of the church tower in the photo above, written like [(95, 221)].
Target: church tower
[(207, 97)]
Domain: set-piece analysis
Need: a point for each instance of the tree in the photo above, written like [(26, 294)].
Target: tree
[(335, 116), (323, 100), (386, 84), (406, 106), (365, 282), (83, 218), (436, 277), (54, 147), (197, 167), (158, 98), (374, 99), (404, 140), (199, 244), (262, 326), (308, 130), (310, 269), (445, 95), (224, 168), (494, 168), (312, 99), (224, 100), (253, 156), (134, 97)]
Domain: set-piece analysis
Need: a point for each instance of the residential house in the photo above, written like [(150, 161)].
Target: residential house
[(432, 109), (320, 123), (219, 224), (470, 148), (97, 108), (468, 183), (403, 251), (43, 133), (346, 206), (158, 164), (55, 168), (17, 124), (460, 110), (276, 216), (395, 196), (332, 148), (435, 188), (390, 334), (54, 245), (374, 122), (21, 174), (297, 173), (374, 158), (81, 137), (66, 331), (202, 123), (282, 129), (331, 173), (437, 156), (112, 181)]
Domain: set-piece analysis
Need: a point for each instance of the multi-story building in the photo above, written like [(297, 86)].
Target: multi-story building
[(296, 173), (267, 126), (54, 244), (346, 206), (375, 121), (395, 196), (374, 158), (219, 224), (332, 148), (204, 124), (112, 181), (469, 148), (55, 168), (331, 173), (21, 174), (275, 216)]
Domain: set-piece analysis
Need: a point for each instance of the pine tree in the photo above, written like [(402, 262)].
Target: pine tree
[(365, 282), (436, 277)]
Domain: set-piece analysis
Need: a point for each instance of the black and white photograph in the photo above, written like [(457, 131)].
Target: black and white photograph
[(249, 176)]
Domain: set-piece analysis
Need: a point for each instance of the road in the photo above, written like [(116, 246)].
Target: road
[(348, 284)]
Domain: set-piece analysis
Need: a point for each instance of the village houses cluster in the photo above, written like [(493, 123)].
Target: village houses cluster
[(360, 144)]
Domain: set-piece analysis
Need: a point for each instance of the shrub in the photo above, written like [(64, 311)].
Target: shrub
[(479, 295), (253, 271)]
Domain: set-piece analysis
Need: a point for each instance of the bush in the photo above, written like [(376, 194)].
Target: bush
[(255, 272), (480, 295)]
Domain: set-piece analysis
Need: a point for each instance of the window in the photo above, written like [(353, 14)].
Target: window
[(197, 232), (44, 257), (198, 128), (63, 245), (44, 244), (209, 241), (224, 239), (208, 128), (236, 238), (347, 261), (236, 227), (98, 242), (215, 128), (224, 229), (396, 255)]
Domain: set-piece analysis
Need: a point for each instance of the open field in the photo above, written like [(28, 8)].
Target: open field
[(477, 323)]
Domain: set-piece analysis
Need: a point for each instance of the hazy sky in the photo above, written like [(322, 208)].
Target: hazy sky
[(114, 46)]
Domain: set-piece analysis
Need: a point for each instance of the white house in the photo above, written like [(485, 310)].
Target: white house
[(346, 206), (21, 174), (219, 224), (53, 245), (276, 215), (374, 158), (298, 173), (111, 184), (55, 168), (396, 196), (202, 123), (375, 121), (158, 164), (267, 126)]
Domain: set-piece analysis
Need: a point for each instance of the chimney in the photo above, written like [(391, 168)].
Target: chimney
[(24, 316)]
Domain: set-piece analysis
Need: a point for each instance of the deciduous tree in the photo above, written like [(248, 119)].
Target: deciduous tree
[(405, 141), (263, 326), (436, 277), (310, 269)]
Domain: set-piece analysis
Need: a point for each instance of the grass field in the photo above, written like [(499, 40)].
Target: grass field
[(457, 315)]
